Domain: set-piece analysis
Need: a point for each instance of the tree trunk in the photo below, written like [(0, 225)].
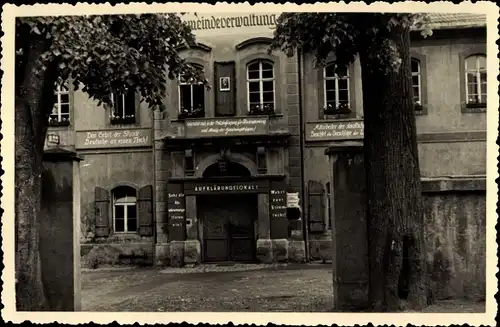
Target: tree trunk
[(395, 216), (33, 102)]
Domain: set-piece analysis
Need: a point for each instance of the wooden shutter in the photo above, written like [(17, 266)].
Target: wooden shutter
[(225, 101), (316, 207), (145, 210), (102, 206)]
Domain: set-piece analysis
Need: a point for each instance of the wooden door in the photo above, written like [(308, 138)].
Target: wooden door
[(228, 227)]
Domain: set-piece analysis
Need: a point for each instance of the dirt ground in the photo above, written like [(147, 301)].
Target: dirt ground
[(299, 289)]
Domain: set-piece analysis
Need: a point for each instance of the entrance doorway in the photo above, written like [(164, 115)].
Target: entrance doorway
[(228, 226)]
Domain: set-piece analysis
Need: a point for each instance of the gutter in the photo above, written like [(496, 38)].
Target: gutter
[(305, 219)]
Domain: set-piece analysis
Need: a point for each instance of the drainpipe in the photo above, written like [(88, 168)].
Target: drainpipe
[(305, 219)]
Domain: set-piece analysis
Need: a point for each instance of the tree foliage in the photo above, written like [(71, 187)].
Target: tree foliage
[(345, 35), (107, 53), (104, 54)]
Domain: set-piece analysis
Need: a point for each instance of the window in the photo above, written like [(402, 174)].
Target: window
[(191, 99), (124, 210), (123, 107), (416, 81), (336, 91), (475, 80), (60, 111), (260, 86)]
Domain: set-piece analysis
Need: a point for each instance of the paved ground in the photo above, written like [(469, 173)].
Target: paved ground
[(263, 288)]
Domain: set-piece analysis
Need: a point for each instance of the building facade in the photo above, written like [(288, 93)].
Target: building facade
[(207, 178)]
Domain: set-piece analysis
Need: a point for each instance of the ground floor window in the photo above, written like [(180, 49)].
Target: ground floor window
[(124, 210)]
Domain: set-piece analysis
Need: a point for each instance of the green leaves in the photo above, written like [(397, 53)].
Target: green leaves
[(345, 35), (115, 52)]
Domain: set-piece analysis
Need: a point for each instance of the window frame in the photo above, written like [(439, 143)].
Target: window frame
[(261, 81), (190, 113), (466, 107), (321, 91), (58, 104), (124, 120), (125, 205), (477, 72), (336, 78), (422, 60)]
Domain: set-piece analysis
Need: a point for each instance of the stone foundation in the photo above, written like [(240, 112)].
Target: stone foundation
[(180, 253)]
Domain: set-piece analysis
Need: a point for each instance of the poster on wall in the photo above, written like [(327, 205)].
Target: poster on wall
[(176, 208), (224, 84)]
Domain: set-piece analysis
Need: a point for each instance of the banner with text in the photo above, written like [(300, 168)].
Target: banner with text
[(226, 127), (334, 130), (117, 138)]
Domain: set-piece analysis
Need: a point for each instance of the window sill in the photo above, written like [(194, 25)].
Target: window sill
[(474, 107), (182, 117), (59, 124), (262, 113)]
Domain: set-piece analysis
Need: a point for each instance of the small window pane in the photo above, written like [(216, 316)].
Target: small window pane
[(483, 98), (268, 86), (330, 84), (267, 66), (198, 96), (471, 78), (131, 224), (185, 91), (483, 77), (330, 96), (119, 212), (253, 74), (65, 98), (267, 73), (414, 80), (120, 225), (343, 84), (253, 67), (268, 96), (343, 95), (330, 71), (65, 109), (131, 211), (254, 86), (482, 62), (472, 89), (255, 97), (415, 66), (471, 63)]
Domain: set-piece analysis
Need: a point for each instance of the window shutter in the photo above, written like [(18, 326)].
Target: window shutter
[(316, 207), (102, 206), (145, 210)]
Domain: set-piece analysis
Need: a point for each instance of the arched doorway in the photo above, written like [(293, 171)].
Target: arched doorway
[(227, 221)]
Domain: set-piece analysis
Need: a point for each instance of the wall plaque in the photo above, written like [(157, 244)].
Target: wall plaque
[(176, 208), (277, 210), (237, 126), (334, 130), (259, 186), (115, 138)]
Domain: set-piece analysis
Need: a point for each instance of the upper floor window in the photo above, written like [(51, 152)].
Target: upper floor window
[(416, 81), (123, 107), (60, 111), (337, 99), (124, 209), (260, 87), (475, 80), (191, 98)]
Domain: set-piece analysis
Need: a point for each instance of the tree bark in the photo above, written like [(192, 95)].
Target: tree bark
[(395, 216), (33, 102)]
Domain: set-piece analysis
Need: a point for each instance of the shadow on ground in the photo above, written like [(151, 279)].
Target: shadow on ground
[(302, 288)]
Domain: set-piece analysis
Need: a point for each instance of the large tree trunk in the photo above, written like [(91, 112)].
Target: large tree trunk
[(33, 101), (395, 216)]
